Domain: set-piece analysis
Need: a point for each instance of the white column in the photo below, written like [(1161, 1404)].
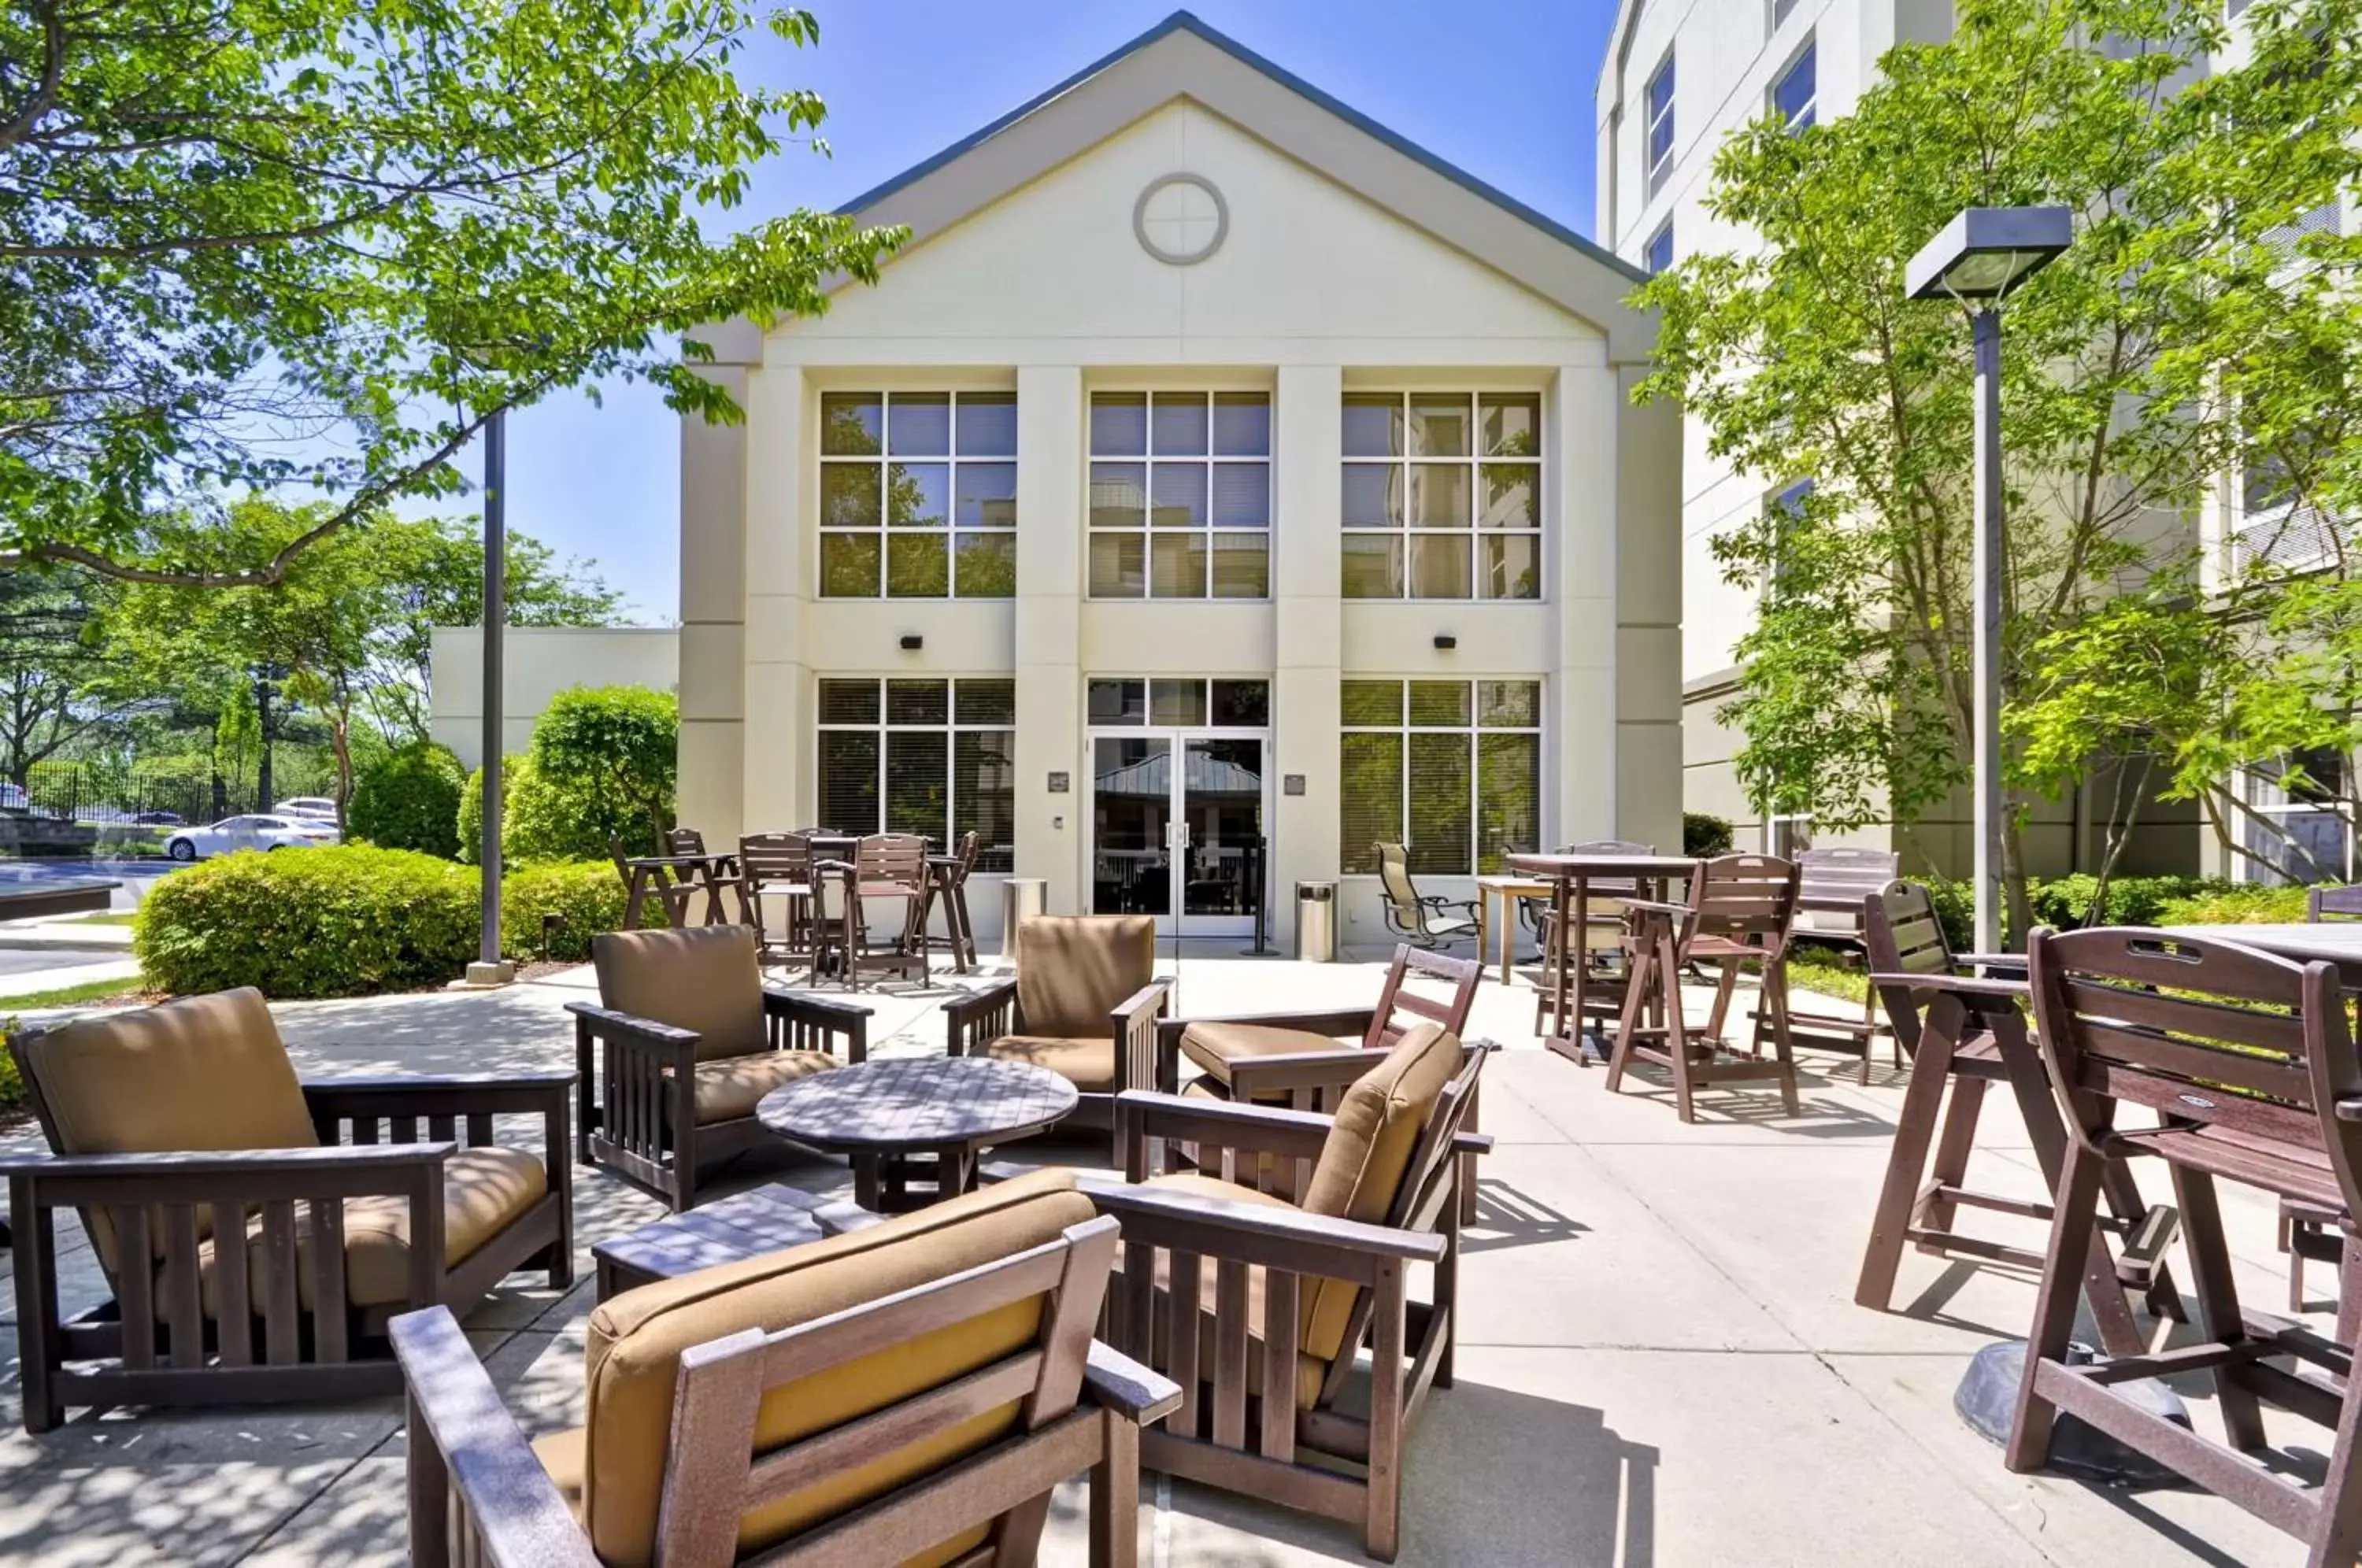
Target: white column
[(1052, 836), (778, 768), (713, 613), (1647, 493), (1580, 498), (1309, 639)]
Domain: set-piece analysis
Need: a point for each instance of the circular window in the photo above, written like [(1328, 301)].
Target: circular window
[(1181, 219)]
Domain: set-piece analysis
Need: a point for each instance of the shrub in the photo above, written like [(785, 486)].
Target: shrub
[(1702, 834), (409, 800), (338, 921), (544, 821), (615, 749), (2246, 903), (587, 892)]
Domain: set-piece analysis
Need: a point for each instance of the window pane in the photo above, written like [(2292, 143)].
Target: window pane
[(1510, 565), (1176, 565), (1439, 566), (985, 702), (1118, 424), (1119, 701), (1245, 704), (851, 424), (1369, 795), (1438, 495), (848, 495), (1792, 95), (848, 779), (1119, 566), (919, 424), (1242, 424), (1177, 424), (1373, 497), (1118, 495), (983, 566), (1439, 704), (1512, 496), (1178, 491), (1508, 797), (987, 425), (917, 495), (984, 792), (918, 783), (848, 702), (1438, 803), (1242, 495), (1241, 566), (848, 566), (1513, 424), (1373, 425), (987, 495), (1439, 425), (1371, 701), (1373, 566), (918, 702), (1176, 702), (918, 566), (1508, 704)]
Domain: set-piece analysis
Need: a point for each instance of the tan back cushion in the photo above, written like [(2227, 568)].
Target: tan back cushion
[(704, 978), (1361, 1169), (1073, 970), (201, 1073), (636, 1340)]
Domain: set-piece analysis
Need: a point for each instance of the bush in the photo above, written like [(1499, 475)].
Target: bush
[(409, 800), (546, 821), (346, 920), (612, 753), (1702, 834), (2246, 903), (587, 892)]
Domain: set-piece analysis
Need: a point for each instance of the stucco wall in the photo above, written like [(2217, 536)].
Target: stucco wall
[(538, 663)]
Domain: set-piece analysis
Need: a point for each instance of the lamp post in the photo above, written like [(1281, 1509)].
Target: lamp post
[(1979, 257), (491, 969)]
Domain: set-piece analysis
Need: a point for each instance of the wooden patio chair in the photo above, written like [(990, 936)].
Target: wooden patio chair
[(1422, 920), (1739, 912), (1084, 1003), (1832, 884), (717, 872), (776, 866), (1964, 1030), (172, 1126), (946, 888), (893, 868), (2333, 903), (672, 893), (842, 945), (911, 1392), (1603, 937), (1263, 1342), (688, 1041), (2247, 1062)]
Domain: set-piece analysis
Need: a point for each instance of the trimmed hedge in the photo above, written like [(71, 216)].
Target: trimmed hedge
[(409, 800), (546, 821), (2248, 903), (1703, 834), (587, 892)]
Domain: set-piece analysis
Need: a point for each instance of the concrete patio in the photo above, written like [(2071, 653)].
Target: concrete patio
[(1660, 1363)]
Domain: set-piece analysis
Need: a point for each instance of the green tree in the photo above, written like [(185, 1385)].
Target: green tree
[(409, 800), (50, 696), (618, 745), (374, 224)]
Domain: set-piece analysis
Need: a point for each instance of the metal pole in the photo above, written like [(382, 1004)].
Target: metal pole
[(1988, 574), (495, 621)]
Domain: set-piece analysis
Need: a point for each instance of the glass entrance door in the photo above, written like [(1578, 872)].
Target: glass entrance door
[(1176, 827), (1221, 816)]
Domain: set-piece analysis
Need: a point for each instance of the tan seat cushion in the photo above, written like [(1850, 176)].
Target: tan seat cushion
[(1310, 1370), (566, 1457), (1089, 1065), (1214, 1046), (703, 978), (729, 1087), (637, 1340), (1074, 970), (202, 1073), (485, 1190)]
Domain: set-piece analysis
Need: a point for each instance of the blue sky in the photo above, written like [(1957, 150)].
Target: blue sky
[(1503, 88)]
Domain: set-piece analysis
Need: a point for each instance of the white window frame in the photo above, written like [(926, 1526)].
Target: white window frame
[(1148, 461), (1476, 461), (1807, 51), (884, 460), (1474, 730), (1781, 11), (1660, 165), (1663, 235), (995, 859), (2254, 780)]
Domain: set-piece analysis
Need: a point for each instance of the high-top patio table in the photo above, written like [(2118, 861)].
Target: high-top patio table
[(645, 874), (2338, 943), (916, 1118), (1571, 877), (1510, 891)]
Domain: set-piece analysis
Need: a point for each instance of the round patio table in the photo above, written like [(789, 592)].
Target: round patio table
[(913, 1126)]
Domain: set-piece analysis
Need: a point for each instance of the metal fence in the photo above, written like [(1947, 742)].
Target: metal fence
[(111, 796)]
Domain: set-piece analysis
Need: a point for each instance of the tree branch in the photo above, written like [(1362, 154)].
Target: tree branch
[(54, 68)]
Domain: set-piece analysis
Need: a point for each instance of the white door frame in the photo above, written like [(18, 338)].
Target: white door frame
[(1177, 737)]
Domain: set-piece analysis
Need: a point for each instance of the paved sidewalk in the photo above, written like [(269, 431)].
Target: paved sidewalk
[(1660, 1363)]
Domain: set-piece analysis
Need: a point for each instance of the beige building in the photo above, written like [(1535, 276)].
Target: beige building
[(537, 664), (1215, 485)]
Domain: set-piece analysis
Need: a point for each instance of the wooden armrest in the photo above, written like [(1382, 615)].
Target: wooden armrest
[(1150, 999), (1302, 1069), (1958, 984), (403, 1083), (1655, 906), (1116, 1382), (1471, 1142), (835, 1012), (1259, 1233), (975, 1004), (214, 1164), (455, 1094), (1989, 960), (1262, 1129), (1334, 1023), (2348, 1109), (607, 1022), (511, 1502)]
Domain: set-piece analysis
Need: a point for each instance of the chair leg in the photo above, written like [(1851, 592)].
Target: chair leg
[(2349, 1293), (1923, 1098), (2337, 1534), (1677, 1039), (1952, 1147), (2218, 1302), (1115, 1497), (1723, 988), (2054, 1308), (1775, 992), (1637, 988)]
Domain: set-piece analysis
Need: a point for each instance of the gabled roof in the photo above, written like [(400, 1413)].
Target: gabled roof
[(1182, 57)]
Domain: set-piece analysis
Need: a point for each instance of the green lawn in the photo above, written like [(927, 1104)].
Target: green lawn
[(118, 917), (66, 996)]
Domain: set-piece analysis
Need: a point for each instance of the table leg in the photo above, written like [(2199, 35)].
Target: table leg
[(1582, 933), (865, 1182), (635, 894), (1566, 1042), (1508, 930)]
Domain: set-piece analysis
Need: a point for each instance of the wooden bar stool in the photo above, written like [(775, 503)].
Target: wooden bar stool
[(947, 885), (1963, 1033), (776, 866)]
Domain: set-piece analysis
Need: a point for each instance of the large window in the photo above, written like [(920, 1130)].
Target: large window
[(1442, 495), (2299, 831), (1452, 769), (1794, 93), (936, 758), (1180, 498), (1660, 124), (917, 495), (1660, 249)]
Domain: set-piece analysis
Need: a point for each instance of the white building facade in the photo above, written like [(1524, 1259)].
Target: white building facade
[(1215, 485)]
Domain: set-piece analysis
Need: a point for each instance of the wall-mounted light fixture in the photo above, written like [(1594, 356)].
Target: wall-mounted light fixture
[(1446, 641), (912, 642)]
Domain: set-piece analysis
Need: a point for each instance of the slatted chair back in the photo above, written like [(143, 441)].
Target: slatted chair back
[(1832, 884), (2207, 1034), (1449, 991), (1746, 899), (2333, 903), (896, 857), (1609, 886), (1903, 937), (684, 841), (775, 859)]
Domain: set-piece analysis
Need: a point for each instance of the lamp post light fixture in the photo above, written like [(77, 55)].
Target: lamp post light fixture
[(1977, 260)]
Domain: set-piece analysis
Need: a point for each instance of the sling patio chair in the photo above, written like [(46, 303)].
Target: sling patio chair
[(1423, 920), (1264, 1341), (1084, 1004), (171, 1127), (910, 1391), (688, 1040), (1602, 938), (2240, 1067), (1832, 883)]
